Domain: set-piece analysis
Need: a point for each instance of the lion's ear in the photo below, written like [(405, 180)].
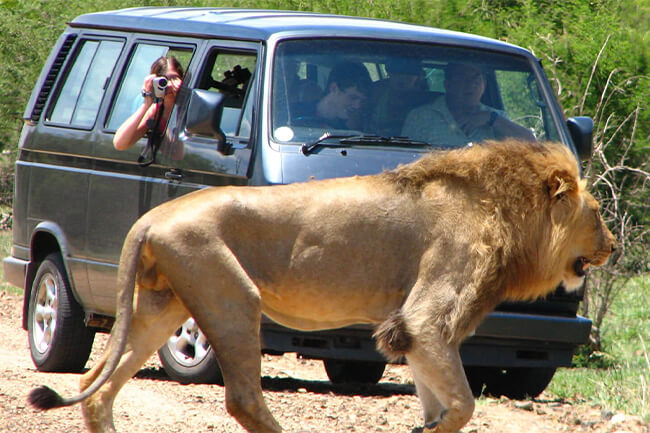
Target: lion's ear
[(560, 182)]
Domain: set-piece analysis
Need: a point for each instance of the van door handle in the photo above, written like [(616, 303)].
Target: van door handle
[(174, 174)]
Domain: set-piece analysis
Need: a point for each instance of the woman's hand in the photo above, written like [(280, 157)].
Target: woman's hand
[(173, 85), (147, 87)]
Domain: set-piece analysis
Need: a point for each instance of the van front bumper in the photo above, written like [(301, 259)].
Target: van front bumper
[(504, 339), (507, 339)]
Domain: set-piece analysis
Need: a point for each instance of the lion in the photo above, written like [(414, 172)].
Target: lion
[(423, 252)]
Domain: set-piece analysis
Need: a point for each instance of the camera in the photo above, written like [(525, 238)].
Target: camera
[(159, 86)]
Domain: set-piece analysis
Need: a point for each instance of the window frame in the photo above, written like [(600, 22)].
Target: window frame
[(208, 62), (170, 44)]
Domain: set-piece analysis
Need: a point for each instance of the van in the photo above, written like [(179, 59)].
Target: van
[(237, 121)]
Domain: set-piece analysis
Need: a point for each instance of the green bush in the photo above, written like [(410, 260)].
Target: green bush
[(566, 35)]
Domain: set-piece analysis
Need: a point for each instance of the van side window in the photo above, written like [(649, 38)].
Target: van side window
[(524, 103), (78, 100), (231, 74), (129, 95)]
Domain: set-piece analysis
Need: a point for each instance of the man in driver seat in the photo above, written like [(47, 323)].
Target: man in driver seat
[(458, 117), (341, 106)]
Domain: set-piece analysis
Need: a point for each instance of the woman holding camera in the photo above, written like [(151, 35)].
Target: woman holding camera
[(137, 125)]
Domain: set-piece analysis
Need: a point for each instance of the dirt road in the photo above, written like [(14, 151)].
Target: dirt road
[(296, 390)]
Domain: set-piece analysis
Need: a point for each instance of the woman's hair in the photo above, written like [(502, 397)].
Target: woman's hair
[(161, 65)]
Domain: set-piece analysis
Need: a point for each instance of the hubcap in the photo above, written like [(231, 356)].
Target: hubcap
[(188, 345), (45, 309)]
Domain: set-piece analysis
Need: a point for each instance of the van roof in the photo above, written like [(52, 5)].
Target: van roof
[(261, 25)]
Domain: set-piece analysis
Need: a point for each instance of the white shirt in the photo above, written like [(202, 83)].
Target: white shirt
[(434, 124)]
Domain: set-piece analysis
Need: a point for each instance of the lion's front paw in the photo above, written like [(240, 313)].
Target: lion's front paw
[(431, 427), (428, 428)]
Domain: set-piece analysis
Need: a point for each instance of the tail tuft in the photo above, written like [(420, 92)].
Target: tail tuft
[(393, 338), (44, 398)]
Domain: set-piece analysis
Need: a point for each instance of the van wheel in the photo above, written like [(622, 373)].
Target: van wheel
[(59, 341), (340, 371), (516, 383), (187, 357)]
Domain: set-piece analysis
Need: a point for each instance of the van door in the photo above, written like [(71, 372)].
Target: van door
[(194, 160), (120, 190)]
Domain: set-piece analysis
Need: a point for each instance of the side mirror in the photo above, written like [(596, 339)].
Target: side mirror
[(204, 116), (581, 129)]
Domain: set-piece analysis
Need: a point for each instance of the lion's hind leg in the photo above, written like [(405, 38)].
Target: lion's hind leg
[(238, 351), (228, 310), (157, 314)]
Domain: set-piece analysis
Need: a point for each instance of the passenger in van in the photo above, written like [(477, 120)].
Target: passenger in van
[(137, 125), (459, 117), (341, 107), (393, 97)]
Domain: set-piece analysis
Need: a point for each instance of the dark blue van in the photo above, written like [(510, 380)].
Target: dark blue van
[(76, 196)]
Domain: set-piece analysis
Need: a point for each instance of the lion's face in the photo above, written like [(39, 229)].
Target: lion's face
[(590, 242)]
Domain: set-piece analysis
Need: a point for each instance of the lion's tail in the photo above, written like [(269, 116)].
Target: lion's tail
[(45, 398)]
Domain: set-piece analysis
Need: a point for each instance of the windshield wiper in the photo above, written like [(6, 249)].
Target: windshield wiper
[(378, 139), (308, 148)]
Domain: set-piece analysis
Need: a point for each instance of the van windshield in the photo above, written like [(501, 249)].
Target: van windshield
[(440, 95)]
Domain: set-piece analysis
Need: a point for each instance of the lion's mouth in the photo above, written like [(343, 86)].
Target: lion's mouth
[(580, 266)]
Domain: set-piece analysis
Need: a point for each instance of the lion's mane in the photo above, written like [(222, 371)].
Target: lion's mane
[(513, 240)]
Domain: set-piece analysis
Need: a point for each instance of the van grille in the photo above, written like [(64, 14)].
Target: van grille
[(48, 84)]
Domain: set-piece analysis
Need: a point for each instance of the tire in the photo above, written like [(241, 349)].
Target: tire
[(340, 371), (59, 340), (514, 383), (188, 358)]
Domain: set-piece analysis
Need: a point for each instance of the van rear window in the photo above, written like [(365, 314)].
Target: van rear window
[(85, 82)]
